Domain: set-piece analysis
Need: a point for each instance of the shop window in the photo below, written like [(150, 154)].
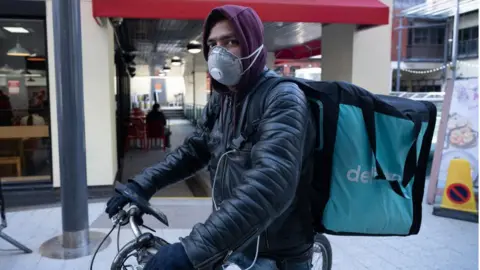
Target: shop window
[(468, 42), (25, 146), (420, 36)]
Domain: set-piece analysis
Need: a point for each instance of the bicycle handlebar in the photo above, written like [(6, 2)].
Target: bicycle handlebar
[(142, 204), (143, 244)]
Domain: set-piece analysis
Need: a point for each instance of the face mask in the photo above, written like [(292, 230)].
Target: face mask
[(225, 67)]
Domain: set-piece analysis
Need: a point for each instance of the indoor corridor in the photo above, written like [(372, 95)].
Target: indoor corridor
[(136, 160)]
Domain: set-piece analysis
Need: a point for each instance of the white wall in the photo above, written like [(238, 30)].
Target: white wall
[(201, 90), (175, 85), (468, 68), (99, 100), (142, 85)]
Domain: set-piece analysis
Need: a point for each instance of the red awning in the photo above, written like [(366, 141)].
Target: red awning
[(364, 12)]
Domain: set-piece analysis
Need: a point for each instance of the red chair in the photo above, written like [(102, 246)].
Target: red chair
[(155, 131), (136, 131)]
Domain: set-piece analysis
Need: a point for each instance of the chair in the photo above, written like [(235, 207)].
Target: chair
[(136, 131), (155, 130), (13, 161)]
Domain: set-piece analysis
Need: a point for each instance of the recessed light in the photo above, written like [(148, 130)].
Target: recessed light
[(16, 30)]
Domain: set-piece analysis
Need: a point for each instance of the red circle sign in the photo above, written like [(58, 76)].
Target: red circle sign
[(458, 193)]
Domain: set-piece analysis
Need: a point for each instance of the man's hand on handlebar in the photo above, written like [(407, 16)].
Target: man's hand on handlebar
[(118, 201)]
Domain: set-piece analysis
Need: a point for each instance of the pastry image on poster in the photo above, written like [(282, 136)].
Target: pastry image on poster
[(460, 133)]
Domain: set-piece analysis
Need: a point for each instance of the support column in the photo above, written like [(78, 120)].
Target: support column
[(195, 77), (67, 34), (271, 60), (362, 57), (76, 240)]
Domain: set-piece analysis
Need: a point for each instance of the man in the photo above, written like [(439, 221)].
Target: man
[(262, 216), (156, 115)]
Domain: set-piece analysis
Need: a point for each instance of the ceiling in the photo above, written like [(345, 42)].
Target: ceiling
[(34, 41), (157, 41)]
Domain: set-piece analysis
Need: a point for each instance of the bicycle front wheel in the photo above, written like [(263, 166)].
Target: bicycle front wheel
[(322, 253)]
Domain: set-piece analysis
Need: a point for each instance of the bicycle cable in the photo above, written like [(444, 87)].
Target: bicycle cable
[(118, 245), (101, 243)]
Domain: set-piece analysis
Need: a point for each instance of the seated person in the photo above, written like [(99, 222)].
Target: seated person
[(32, 145), (33, 118), (156, 115)]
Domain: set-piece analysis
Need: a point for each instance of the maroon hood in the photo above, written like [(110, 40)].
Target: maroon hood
[(249, 30)]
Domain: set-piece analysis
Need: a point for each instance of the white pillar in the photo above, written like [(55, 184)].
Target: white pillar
[(271, 60), (99, 95), (361, 57), (201, 90)]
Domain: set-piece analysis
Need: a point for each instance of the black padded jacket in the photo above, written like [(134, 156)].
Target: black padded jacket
[(259, 186)]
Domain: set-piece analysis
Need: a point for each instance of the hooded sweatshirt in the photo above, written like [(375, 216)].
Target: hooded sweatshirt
[(249, 32)]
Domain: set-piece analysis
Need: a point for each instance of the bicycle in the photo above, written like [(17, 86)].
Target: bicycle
[(145, 244)]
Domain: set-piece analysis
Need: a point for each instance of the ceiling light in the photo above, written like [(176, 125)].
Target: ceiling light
[(176, 62), (166, 69), (19, 30), (18, 50), (316, 57), (6, 68), (194, 47), (175, 58)]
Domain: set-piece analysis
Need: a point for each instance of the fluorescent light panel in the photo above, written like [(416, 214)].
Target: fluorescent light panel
[(16, 30)]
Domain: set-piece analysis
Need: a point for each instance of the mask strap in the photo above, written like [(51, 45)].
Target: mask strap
[(257, 51)]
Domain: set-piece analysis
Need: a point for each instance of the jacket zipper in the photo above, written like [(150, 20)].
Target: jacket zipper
[(238, 245), (224, 165), (227, 253), (266, 240), (222, 186)]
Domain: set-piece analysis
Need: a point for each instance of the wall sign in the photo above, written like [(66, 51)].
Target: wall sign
[(13, 87)]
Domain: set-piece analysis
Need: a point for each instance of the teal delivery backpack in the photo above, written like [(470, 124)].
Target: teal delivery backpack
[(370, 159)]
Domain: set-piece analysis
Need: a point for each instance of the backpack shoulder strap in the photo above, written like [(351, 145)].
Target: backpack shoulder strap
[(247, 130), (213, 112)]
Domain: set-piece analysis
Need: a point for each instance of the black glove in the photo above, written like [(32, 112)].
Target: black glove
[(118, 201), (171, 257)]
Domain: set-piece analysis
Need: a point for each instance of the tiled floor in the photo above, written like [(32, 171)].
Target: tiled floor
[(444, 244)]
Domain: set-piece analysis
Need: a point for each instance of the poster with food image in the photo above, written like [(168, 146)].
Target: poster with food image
[(461, 139)]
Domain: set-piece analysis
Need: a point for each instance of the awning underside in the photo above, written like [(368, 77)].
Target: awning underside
[(364, 12), (439, 9)]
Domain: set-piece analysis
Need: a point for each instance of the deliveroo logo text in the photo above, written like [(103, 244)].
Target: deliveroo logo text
[(365, 176)]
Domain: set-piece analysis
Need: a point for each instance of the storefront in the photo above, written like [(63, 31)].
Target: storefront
[(25, 145)]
